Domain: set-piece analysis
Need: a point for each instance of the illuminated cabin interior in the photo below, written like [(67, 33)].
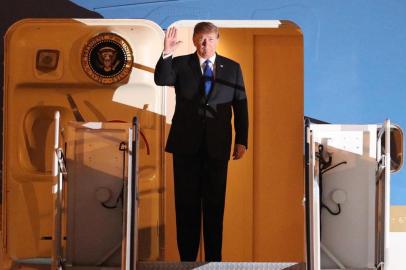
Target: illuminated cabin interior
[(265, 189)]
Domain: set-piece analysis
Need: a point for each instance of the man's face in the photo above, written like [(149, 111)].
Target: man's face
[(205, 44)]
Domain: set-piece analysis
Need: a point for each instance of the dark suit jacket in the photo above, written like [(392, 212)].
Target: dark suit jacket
[(204, 119)]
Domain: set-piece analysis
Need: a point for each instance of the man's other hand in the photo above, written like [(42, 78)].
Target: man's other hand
[(239, 151)]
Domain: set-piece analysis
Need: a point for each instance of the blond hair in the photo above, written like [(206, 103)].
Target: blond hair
[(205, 27)]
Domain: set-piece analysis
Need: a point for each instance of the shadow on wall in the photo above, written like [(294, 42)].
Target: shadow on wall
[(12, 11)]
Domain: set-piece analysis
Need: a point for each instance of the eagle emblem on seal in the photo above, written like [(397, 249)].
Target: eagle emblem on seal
[(107, 58)]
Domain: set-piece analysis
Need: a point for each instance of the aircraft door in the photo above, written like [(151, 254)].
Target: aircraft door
[(312, 202), (383, 170)]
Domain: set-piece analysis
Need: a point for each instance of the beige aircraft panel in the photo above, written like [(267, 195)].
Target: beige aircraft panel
[(38, 82)]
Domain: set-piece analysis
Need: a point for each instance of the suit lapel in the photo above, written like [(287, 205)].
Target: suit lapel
[(197, 73), (195, 67), (218, 74)]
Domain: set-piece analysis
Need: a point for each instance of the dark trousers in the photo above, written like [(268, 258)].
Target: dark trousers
[(200, 187)]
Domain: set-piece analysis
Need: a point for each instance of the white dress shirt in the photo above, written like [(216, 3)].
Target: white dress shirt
[(202, 64), (201, 61)]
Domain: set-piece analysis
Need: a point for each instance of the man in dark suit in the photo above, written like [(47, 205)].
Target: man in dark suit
[(208, 88)]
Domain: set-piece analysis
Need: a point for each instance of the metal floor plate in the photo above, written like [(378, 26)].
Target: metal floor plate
[(218, 266)]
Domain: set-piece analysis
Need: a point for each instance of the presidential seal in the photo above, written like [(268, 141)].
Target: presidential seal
[(107, 58)]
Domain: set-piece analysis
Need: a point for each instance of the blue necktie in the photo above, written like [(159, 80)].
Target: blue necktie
[(208, 77)]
